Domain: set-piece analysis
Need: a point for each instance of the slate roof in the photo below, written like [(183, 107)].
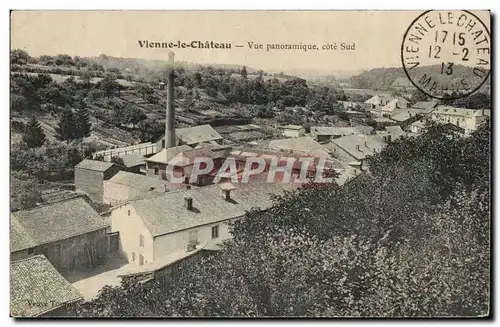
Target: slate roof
[(94, 165), (36, 287), (368, 145), (53, 222), (197, 134), (394, 129), (167, 214), (165, 155), (133, 160)]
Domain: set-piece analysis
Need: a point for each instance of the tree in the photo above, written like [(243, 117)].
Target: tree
[(109, 85), (244, 73), (83, 125), (34, 136), (117, 160), (19, 57), (24, 193), (67, 126)]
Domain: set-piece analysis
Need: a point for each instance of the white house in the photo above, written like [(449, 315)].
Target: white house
[(293, 131), (152, 228), (468, 119)]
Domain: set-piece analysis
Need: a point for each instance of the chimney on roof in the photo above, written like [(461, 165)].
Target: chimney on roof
[(366, 144), (170, 112), (226, 194), (188, 203), (166, 190)]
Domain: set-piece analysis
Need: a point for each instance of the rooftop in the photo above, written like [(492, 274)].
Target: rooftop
[(36, 287), (96, 165), (333, 130), (428, 105), (53, 222), (302, 145), (464, 112), (133, 160), (292, 127), (165, 155), (197, 134), (360, 146)]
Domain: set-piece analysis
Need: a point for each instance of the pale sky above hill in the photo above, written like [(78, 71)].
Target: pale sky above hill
[(377, 35)]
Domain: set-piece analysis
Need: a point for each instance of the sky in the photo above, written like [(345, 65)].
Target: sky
[(377, 36)]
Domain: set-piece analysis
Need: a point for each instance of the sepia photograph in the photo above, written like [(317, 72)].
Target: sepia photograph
[(250, 164)]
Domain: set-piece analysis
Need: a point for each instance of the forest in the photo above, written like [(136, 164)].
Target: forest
[(410, 238)]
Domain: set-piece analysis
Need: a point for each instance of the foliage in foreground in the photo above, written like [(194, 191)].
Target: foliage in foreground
[(409, 239)]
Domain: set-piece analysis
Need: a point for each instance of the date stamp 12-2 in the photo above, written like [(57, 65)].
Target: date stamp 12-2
[(446, 54)]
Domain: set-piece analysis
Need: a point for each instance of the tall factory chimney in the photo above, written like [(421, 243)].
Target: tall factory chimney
[(170, 112)]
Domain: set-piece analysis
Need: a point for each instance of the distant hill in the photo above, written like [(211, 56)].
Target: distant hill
[(383, 78)]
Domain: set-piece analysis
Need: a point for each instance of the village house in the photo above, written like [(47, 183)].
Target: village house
[(323, 134), (182, 160), (303, 145), (192, 136), (467, 119), (90, 176), (69, 233), (37, 289), (125, 186), (418, 127), (153, 228), (293, 131), (391, 133), (354, 150)]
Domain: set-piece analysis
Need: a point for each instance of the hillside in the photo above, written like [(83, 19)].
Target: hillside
[(383, 78)]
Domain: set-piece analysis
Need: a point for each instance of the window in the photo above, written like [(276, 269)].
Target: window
[(31, 250), (193, 236), (129, 212), (141, 240), (133, 256), (157, 171), (215, 231), (141, 260), (163, 144)]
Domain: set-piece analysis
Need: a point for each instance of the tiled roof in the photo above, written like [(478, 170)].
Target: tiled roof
[(166, 214), (53, 222), (36, 287), (133, 159), (197, 134), (292, 127), (94, 165), (141, 182)]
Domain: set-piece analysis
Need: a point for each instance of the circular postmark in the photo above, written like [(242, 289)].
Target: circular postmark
[(446, 54)]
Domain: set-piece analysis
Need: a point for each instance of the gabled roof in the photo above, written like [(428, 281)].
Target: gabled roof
[(394, 129), (53, 222), (36, 287), (95, 165), (167, 214), (197, 134)]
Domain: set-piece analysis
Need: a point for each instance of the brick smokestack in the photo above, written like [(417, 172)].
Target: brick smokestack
[(170, 112)]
